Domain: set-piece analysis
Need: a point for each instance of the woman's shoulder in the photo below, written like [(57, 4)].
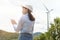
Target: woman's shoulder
[(23, 17)]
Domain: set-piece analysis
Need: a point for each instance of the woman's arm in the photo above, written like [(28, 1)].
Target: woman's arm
[(18, 27)]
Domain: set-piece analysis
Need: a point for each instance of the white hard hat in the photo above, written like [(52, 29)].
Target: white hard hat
[(28, 7)]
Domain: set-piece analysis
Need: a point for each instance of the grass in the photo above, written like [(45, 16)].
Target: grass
[(8, 36)]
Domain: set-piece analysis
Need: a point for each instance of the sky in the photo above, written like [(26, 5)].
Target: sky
[(11, 9)]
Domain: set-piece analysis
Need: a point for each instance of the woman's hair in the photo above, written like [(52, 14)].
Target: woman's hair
[(31, 18)]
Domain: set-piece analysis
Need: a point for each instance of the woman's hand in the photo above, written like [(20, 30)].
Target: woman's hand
[(13, 22)]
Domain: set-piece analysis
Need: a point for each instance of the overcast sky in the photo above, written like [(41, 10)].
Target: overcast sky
[(11, 9)]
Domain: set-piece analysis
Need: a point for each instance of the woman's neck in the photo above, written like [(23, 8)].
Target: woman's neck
[(25, 14)]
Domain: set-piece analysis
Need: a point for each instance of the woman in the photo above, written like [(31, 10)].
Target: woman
[(26, 23)]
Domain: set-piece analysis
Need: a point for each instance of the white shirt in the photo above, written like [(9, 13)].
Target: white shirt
[(25, 25)]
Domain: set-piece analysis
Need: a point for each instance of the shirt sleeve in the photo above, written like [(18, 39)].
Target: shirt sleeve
[(19, 26)]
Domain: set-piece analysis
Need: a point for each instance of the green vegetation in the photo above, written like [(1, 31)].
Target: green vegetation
[(53, 32)]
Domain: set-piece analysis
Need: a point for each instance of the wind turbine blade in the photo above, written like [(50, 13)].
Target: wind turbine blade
[(46, 7)]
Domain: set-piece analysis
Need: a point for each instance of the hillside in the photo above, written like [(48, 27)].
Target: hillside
[(37, 34), (8, 36), (12, 36)]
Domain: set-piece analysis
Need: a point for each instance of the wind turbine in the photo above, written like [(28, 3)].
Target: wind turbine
[(48, 12)]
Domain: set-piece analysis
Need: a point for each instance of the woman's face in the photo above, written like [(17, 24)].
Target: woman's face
[(24, 10)]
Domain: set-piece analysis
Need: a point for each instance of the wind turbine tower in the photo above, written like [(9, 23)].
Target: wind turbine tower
[(48, 12)]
